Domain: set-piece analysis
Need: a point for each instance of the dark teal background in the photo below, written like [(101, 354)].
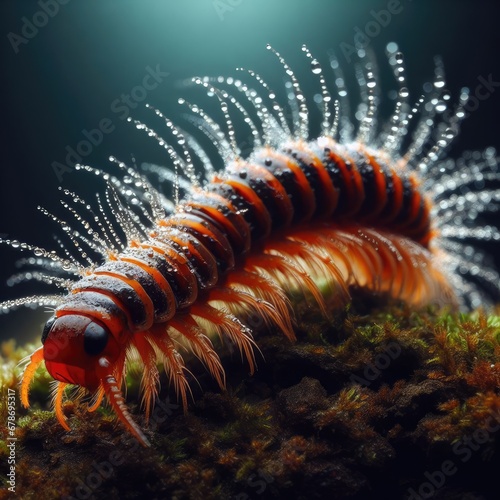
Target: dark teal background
[(66, 77)]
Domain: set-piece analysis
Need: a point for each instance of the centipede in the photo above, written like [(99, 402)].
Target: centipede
[(366, 204)]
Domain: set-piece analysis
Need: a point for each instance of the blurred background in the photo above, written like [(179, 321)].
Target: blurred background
[(68, 67)]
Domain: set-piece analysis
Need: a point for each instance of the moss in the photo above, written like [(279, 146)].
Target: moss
[(362, 409)]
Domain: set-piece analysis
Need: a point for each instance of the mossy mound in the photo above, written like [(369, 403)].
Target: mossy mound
[(390, 404)]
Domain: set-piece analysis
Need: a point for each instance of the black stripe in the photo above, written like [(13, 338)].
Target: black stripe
[(169, 268), (311, 175), (205, 273), (390, 191), (155, 261), (335, 172), (239, 238), (248, 210), (122, 291), (80, 302), (219, 247), (287, 179), (407, 199), (134, 272)]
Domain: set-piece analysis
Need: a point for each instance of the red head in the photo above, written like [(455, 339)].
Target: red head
[(74, 346), (82, 350)]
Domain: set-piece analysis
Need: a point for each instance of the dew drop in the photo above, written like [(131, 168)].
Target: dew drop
[(315, 67)]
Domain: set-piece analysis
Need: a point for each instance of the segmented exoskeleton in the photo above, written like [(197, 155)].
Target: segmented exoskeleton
[(318, 216)]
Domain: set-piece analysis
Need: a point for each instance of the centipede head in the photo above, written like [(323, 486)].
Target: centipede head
[(73, 346), (82, 351)]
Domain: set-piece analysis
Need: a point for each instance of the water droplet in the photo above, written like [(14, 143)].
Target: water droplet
[(315, 67)]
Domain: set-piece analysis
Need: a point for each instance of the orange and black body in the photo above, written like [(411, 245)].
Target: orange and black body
[(317, 217), (193, 251)]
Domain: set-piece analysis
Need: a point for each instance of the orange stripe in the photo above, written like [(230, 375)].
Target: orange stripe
[(214, 234), (330, 195), (308, 198), (239, 233), (159, 279), (380, 186), (281, 197), (180, 263), (244, 190), (200, 253), (353, 183)]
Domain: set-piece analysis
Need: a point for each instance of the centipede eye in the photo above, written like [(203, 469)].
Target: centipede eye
[(95, 339), (46, 328)]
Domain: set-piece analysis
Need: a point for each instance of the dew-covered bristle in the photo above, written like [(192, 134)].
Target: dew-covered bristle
[(414, 139)]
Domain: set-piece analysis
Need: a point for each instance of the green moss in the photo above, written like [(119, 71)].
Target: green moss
[(361, 408)]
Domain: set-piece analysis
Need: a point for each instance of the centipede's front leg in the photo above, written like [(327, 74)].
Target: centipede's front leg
[(29, 372)]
